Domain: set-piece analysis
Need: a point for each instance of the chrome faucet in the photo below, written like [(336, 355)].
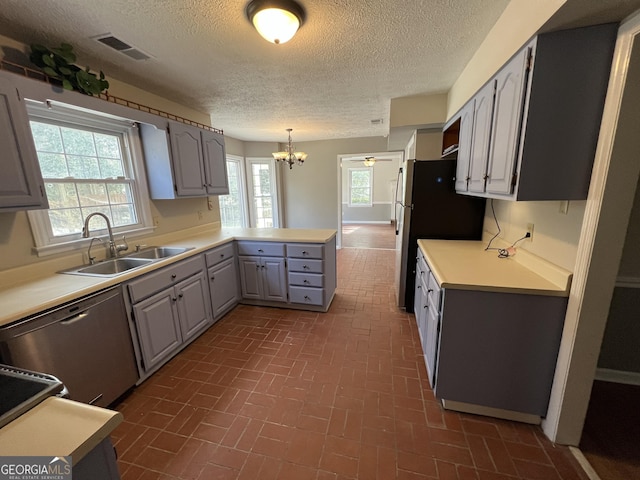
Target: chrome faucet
[(114, 249)]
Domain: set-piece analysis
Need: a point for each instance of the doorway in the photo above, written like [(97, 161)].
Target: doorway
[(367, 199)]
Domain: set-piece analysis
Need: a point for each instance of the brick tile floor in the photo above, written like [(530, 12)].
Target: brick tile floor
[(270, 393)]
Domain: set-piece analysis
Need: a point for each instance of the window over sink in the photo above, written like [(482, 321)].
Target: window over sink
[(89, 163)]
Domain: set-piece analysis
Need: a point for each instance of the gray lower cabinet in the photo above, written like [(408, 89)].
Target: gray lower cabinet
[(99, 464), (263, 278), (170, 308), (490, 349), (21, 185), (311, 274), (224, 287), (263, 273)]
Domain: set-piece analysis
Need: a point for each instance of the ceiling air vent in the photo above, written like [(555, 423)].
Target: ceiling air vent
[(111, 41)]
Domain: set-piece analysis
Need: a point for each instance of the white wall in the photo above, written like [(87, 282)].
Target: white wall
[(519, 22), (311, 190), (555, 235)]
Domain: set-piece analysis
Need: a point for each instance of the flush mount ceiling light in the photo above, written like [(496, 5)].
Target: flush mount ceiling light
[(369, 161), (276, 20), (290, 156)]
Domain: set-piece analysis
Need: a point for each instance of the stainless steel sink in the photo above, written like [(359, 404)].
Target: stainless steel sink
[(118, 266), (108, 268), (156, 253)]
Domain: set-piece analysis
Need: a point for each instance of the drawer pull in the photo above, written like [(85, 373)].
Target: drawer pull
[(430, 290), (304, 252), (260, 250), (305, 281), (306, 297), (419, 286), (213, 278), (306, 267), (173, 276)]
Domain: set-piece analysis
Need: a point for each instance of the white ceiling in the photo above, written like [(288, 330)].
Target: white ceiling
[(339, 72), (336, 75)]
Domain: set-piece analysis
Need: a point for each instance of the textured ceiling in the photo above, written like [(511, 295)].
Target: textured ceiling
[(336, 75)]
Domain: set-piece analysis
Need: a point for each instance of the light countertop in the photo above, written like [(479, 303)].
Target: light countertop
[(32, 290), (58, 427), (465, 265)]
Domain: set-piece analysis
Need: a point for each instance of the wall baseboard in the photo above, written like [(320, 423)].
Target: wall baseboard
[(618, 376), (373, 222), (628, 282)]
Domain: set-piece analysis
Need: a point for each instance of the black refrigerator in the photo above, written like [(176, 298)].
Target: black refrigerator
[(428, 207)]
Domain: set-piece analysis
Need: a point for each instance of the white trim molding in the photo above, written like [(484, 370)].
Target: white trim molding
[(618, 376), (609, 203)]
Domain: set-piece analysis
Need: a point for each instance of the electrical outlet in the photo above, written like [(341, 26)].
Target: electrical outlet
[(210, 203), (530, 231), (200, 214), (156, 221)]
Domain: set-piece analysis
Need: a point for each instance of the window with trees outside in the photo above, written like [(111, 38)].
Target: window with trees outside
[(232, 206), (87, 166), (360, 187)]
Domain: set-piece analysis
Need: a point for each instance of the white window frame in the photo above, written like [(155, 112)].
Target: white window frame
[(65, 115), (242, 189), (361, 169), (275, 196)]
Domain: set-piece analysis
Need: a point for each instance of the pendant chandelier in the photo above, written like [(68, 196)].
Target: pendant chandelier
[(290, 156)]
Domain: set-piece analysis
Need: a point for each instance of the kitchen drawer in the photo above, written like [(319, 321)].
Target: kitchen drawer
[(302, 265), (306, 295), (434, 293), (303, 250), (261, 249), (306, 279), (163, 278), (219, 254)]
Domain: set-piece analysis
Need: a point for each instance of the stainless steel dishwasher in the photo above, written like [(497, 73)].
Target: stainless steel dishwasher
[(86, 344)]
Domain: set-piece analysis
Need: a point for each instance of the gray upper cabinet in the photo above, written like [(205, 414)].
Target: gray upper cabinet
[(481, 135), (215, 163), (464, 150), (188, 165), (21, 185), (184, 161), (505, 126), (543, 120)]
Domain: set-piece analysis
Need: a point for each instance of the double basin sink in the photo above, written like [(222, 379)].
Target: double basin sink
[(117, 266)]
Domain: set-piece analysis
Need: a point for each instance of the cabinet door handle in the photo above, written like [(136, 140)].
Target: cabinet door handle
[(263, 267), (430, 290), (426, 306), (174, 299), (180, 295), (257, 267), (204, 185), (222, 255), (419, 286), (213, 278), (306, 297)]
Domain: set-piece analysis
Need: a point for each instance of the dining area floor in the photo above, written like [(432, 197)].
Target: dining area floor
[(271, 393)]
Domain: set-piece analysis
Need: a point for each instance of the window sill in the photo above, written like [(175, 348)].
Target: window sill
[(83, 243)]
